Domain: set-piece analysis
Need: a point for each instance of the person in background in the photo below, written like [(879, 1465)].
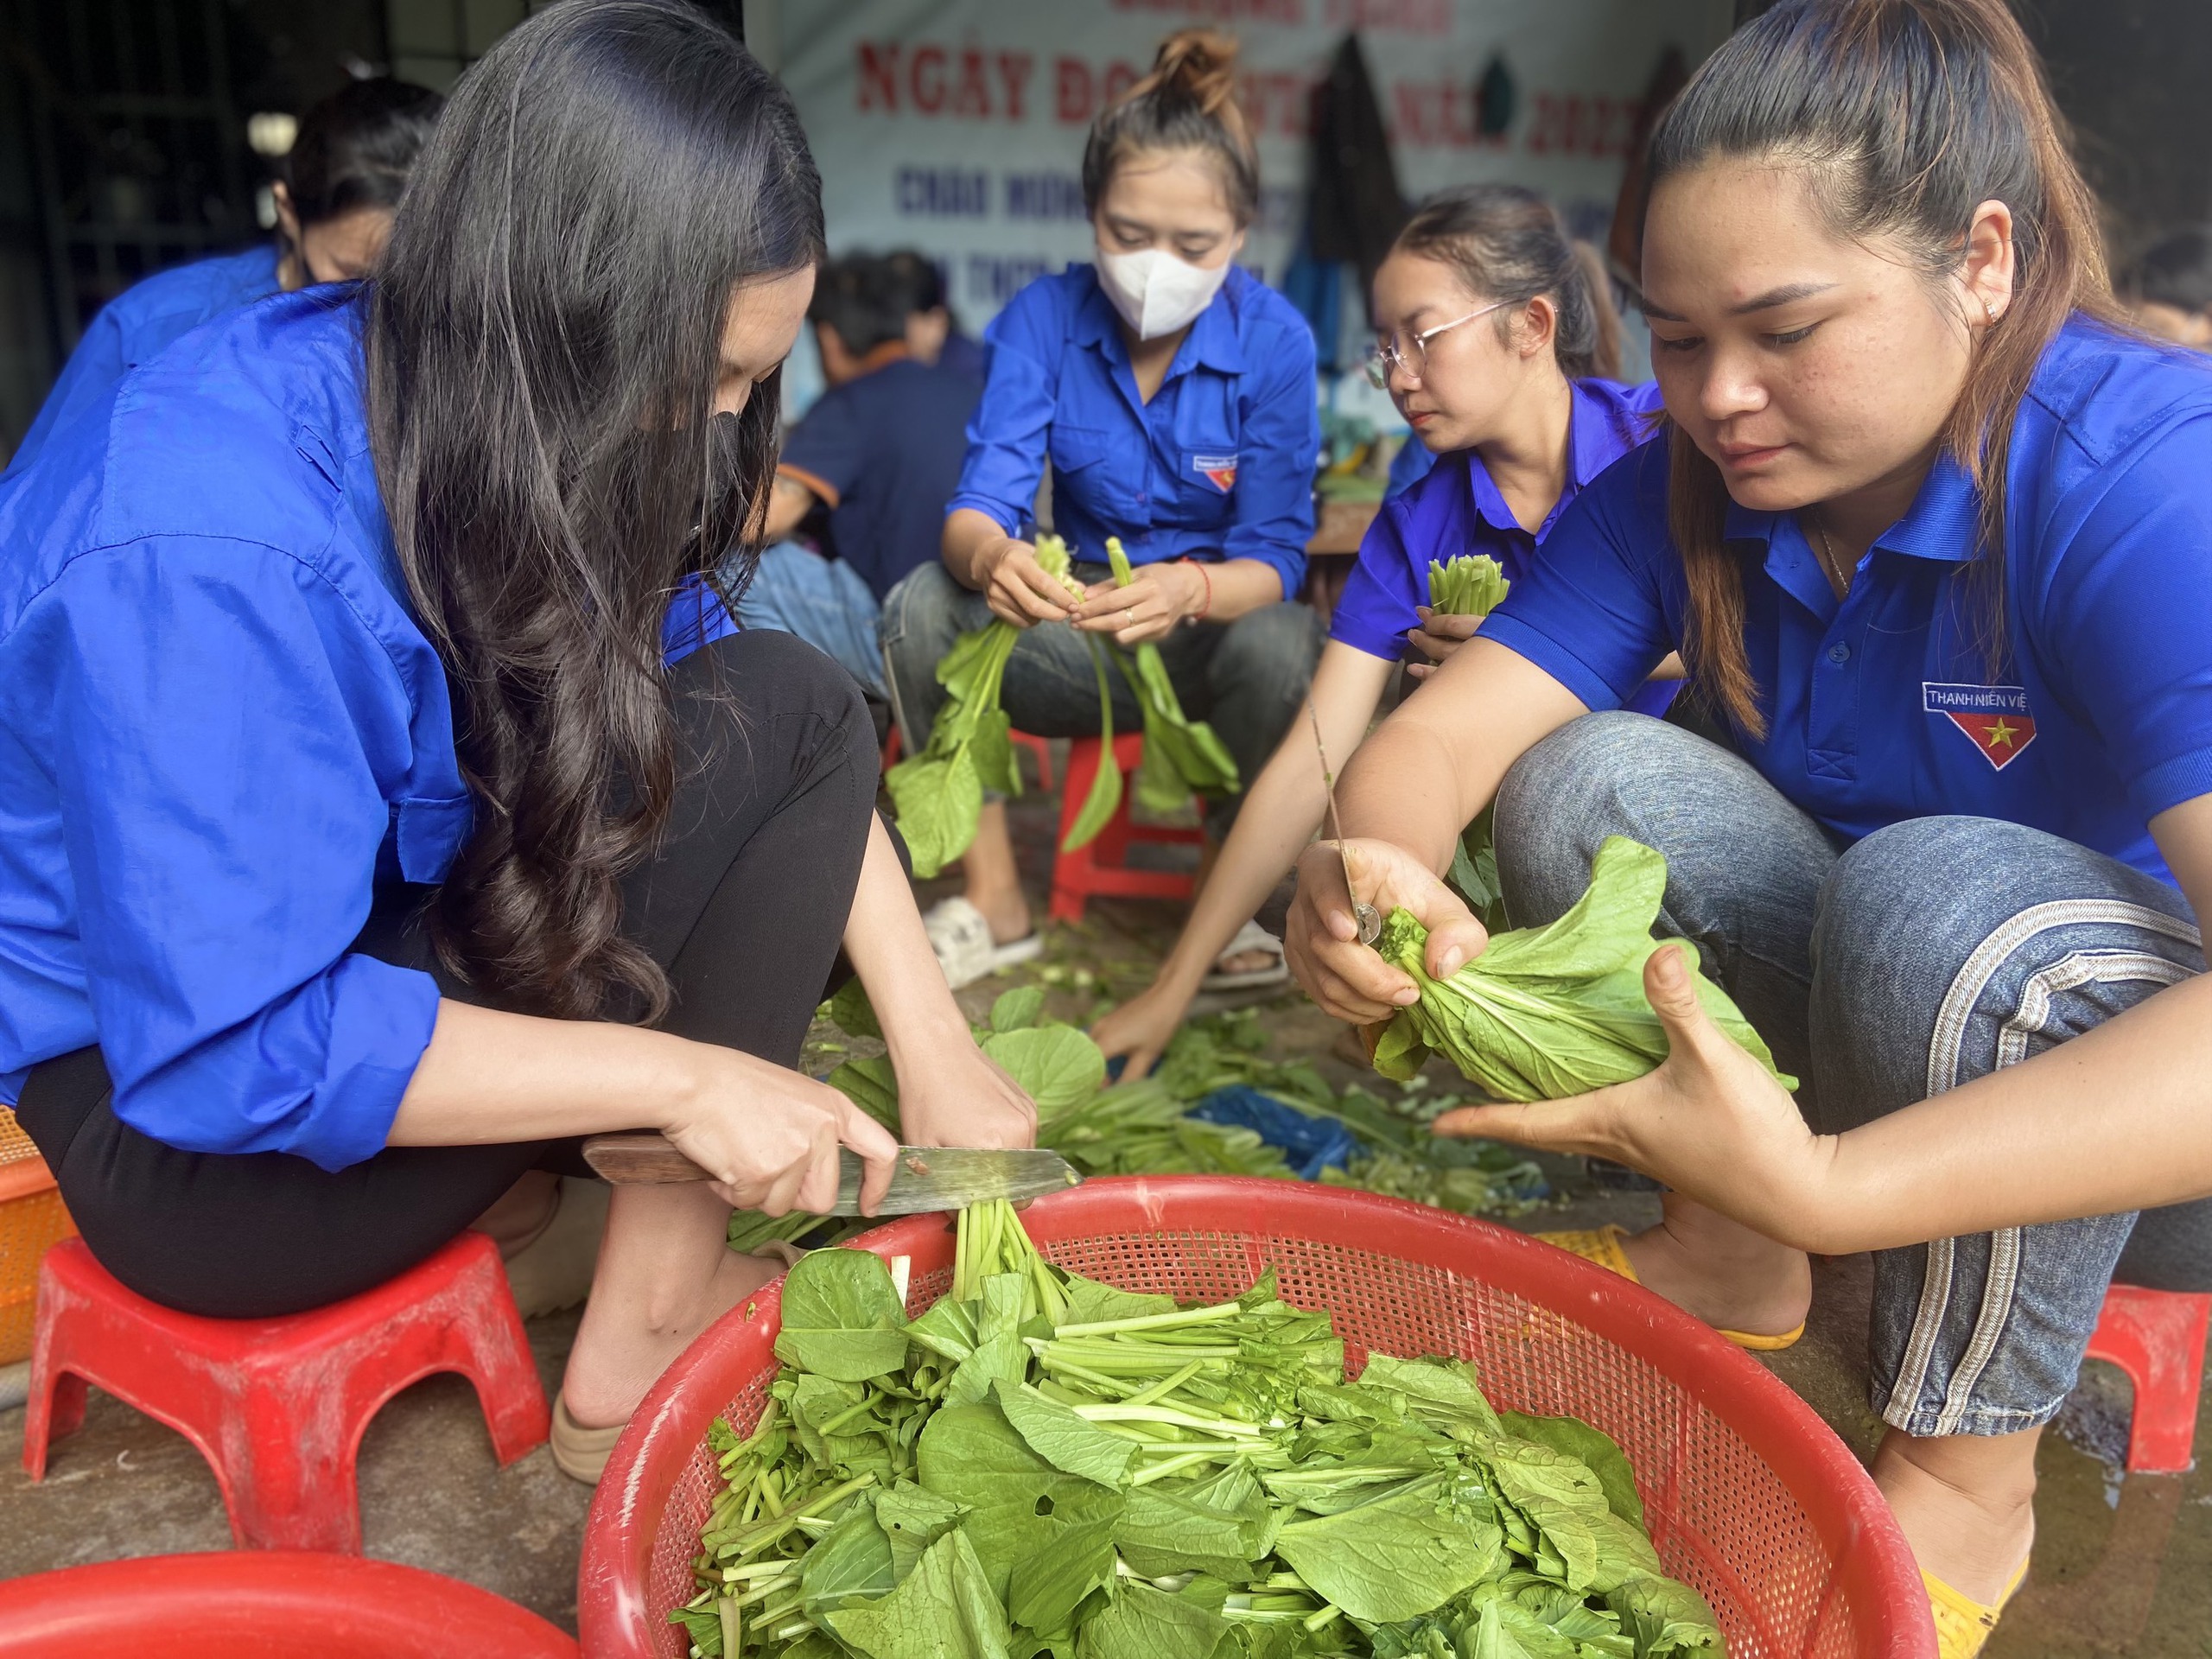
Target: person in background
[(933, 334), (879, 454), (349, 162), (2168, 287), (1496, 344), (1928, 523), (1173, 394)]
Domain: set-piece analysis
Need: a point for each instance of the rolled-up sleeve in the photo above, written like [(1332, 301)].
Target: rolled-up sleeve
[(1274, 465), (1378, 604), (223, 771), (1007, 433)]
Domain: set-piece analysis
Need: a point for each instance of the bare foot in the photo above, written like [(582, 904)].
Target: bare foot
[(622, 1347), (1245, 961), (993, 882), (1725, 1273), (1965, 1502)]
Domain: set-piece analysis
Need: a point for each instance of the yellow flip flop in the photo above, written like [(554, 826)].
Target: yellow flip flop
[(1962, 1625), (1602, 1246)]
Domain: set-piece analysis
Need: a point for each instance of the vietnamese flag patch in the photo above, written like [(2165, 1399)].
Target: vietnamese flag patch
[(1995, 718)]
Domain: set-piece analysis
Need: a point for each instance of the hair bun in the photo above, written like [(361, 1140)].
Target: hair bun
[(1200, 64)]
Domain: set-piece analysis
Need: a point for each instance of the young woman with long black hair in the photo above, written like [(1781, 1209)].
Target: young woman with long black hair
[(1929, 529), (1498, 343), (388, 817)]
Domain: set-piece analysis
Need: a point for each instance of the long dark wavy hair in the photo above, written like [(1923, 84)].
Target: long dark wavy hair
[(544, 351), (1903, 115)]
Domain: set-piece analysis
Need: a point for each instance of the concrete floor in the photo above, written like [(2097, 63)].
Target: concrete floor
[(2123, 1565)]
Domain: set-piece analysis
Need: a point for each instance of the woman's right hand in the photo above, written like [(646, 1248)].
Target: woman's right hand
[(768, 1137), (1439, 635), (1142, 1028), (1018, 590), (1351, 980)]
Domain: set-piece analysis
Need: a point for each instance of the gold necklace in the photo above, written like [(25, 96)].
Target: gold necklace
[(1830, 563)]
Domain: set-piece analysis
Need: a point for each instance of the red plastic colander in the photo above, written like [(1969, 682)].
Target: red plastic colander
[(1749, 1496)]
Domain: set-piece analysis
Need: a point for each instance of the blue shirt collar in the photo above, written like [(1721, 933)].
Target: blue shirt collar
[(1211, 342), (1590, 449), (1940, 524)]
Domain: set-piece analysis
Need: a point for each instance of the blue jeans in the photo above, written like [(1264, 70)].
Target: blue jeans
[(824, 601), (1248, 677), (1929, 954)]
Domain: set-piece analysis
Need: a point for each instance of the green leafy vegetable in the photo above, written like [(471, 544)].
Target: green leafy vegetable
[(1055, 1465), (1104, 798), (939, 794), (1473, 585), (1182, 757), (1549, 1012)]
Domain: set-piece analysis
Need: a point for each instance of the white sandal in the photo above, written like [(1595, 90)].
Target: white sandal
[(962, 939), (1250, 938)]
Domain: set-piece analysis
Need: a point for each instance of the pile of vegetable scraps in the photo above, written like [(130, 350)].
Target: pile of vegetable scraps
[(1041, 1463)]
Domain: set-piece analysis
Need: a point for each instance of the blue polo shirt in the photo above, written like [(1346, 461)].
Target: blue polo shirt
[(1881, 706), (1454, 508), (136, 326), (1219, 465), (220, 731), (884, 453)]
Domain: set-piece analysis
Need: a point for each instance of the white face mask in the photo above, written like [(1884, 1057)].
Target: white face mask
[(1155, 292)]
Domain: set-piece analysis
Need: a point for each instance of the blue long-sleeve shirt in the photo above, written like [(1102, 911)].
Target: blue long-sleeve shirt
[(221, 730), (138, 325), (1219, 465)]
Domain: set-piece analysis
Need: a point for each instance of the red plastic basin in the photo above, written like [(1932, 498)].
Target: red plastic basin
[(265, 1604), (1750, 1496)]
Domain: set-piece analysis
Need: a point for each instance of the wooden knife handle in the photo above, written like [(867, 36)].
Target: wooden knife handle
[(644, 1158)]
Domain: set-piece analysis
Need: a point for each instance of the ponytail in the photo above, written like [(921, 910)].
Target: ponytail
[(1510, 245), (1187, 102), (1903, 116)]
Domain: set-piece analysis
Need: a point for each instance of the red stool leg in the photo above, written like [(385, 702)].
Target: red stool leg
[(491, 1349), (1041, 751), (1071, 871), (2157, 1337)]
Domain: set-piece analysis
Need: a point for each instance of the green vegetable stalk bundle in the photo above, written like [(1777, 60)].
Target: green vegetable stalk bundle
[(1042, 1464), (1182, 756), (1473, 585), (938, 795), (1549, 1012)]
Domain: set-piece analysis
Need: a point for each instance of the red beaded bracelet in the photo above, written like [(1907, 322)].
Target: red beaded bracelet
[(1207, 576)]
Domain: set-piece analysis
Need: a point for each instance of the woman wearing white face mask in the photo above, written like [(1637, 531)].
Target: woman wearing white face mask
[(1172, 393)]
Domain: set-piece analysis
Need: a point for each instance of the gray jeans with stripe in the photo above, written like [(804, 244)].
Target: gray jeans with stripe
[(1924, 956)]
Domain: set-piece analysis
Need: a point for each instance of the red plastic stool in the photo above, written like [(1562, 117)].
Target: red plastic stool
[(1040, 748), (270, 1605), (277, 1406), (2157, 1337), (1099, 867)]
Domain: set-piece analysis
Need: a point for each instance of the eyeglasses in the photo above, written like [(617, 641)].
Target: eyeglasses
[(1386, 360)]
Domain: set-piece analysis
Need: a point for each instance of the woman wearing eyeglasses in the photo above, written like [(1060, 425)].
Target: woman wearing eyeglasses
[(1495, 329)]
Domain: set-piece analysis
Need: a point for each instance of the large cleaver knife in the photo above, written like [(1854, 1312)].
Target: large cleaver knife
[(922, 1179)]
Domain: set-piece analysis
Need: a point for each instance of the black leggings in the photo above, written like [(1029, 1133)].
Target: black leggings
[(743, 906)]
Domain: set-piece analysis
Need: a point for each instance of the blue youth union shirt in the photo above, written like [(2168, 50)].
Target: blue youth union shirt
[(1880, 707), (1219, 465), (1454, 508), (220, 729), (138, 325)]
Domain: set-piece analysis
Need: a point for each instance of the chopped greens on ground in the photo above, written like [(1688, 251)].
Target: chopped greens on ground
[(1473, 585), (1042, 1464), (1148, 1126), (1549, 1012)]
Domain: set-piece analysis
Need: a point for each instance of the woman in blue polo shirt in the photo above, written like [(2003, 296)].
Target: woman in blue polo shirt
[(1173, 394), (348, 164), (384, 820), (1930, 530), (1496, 339)]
